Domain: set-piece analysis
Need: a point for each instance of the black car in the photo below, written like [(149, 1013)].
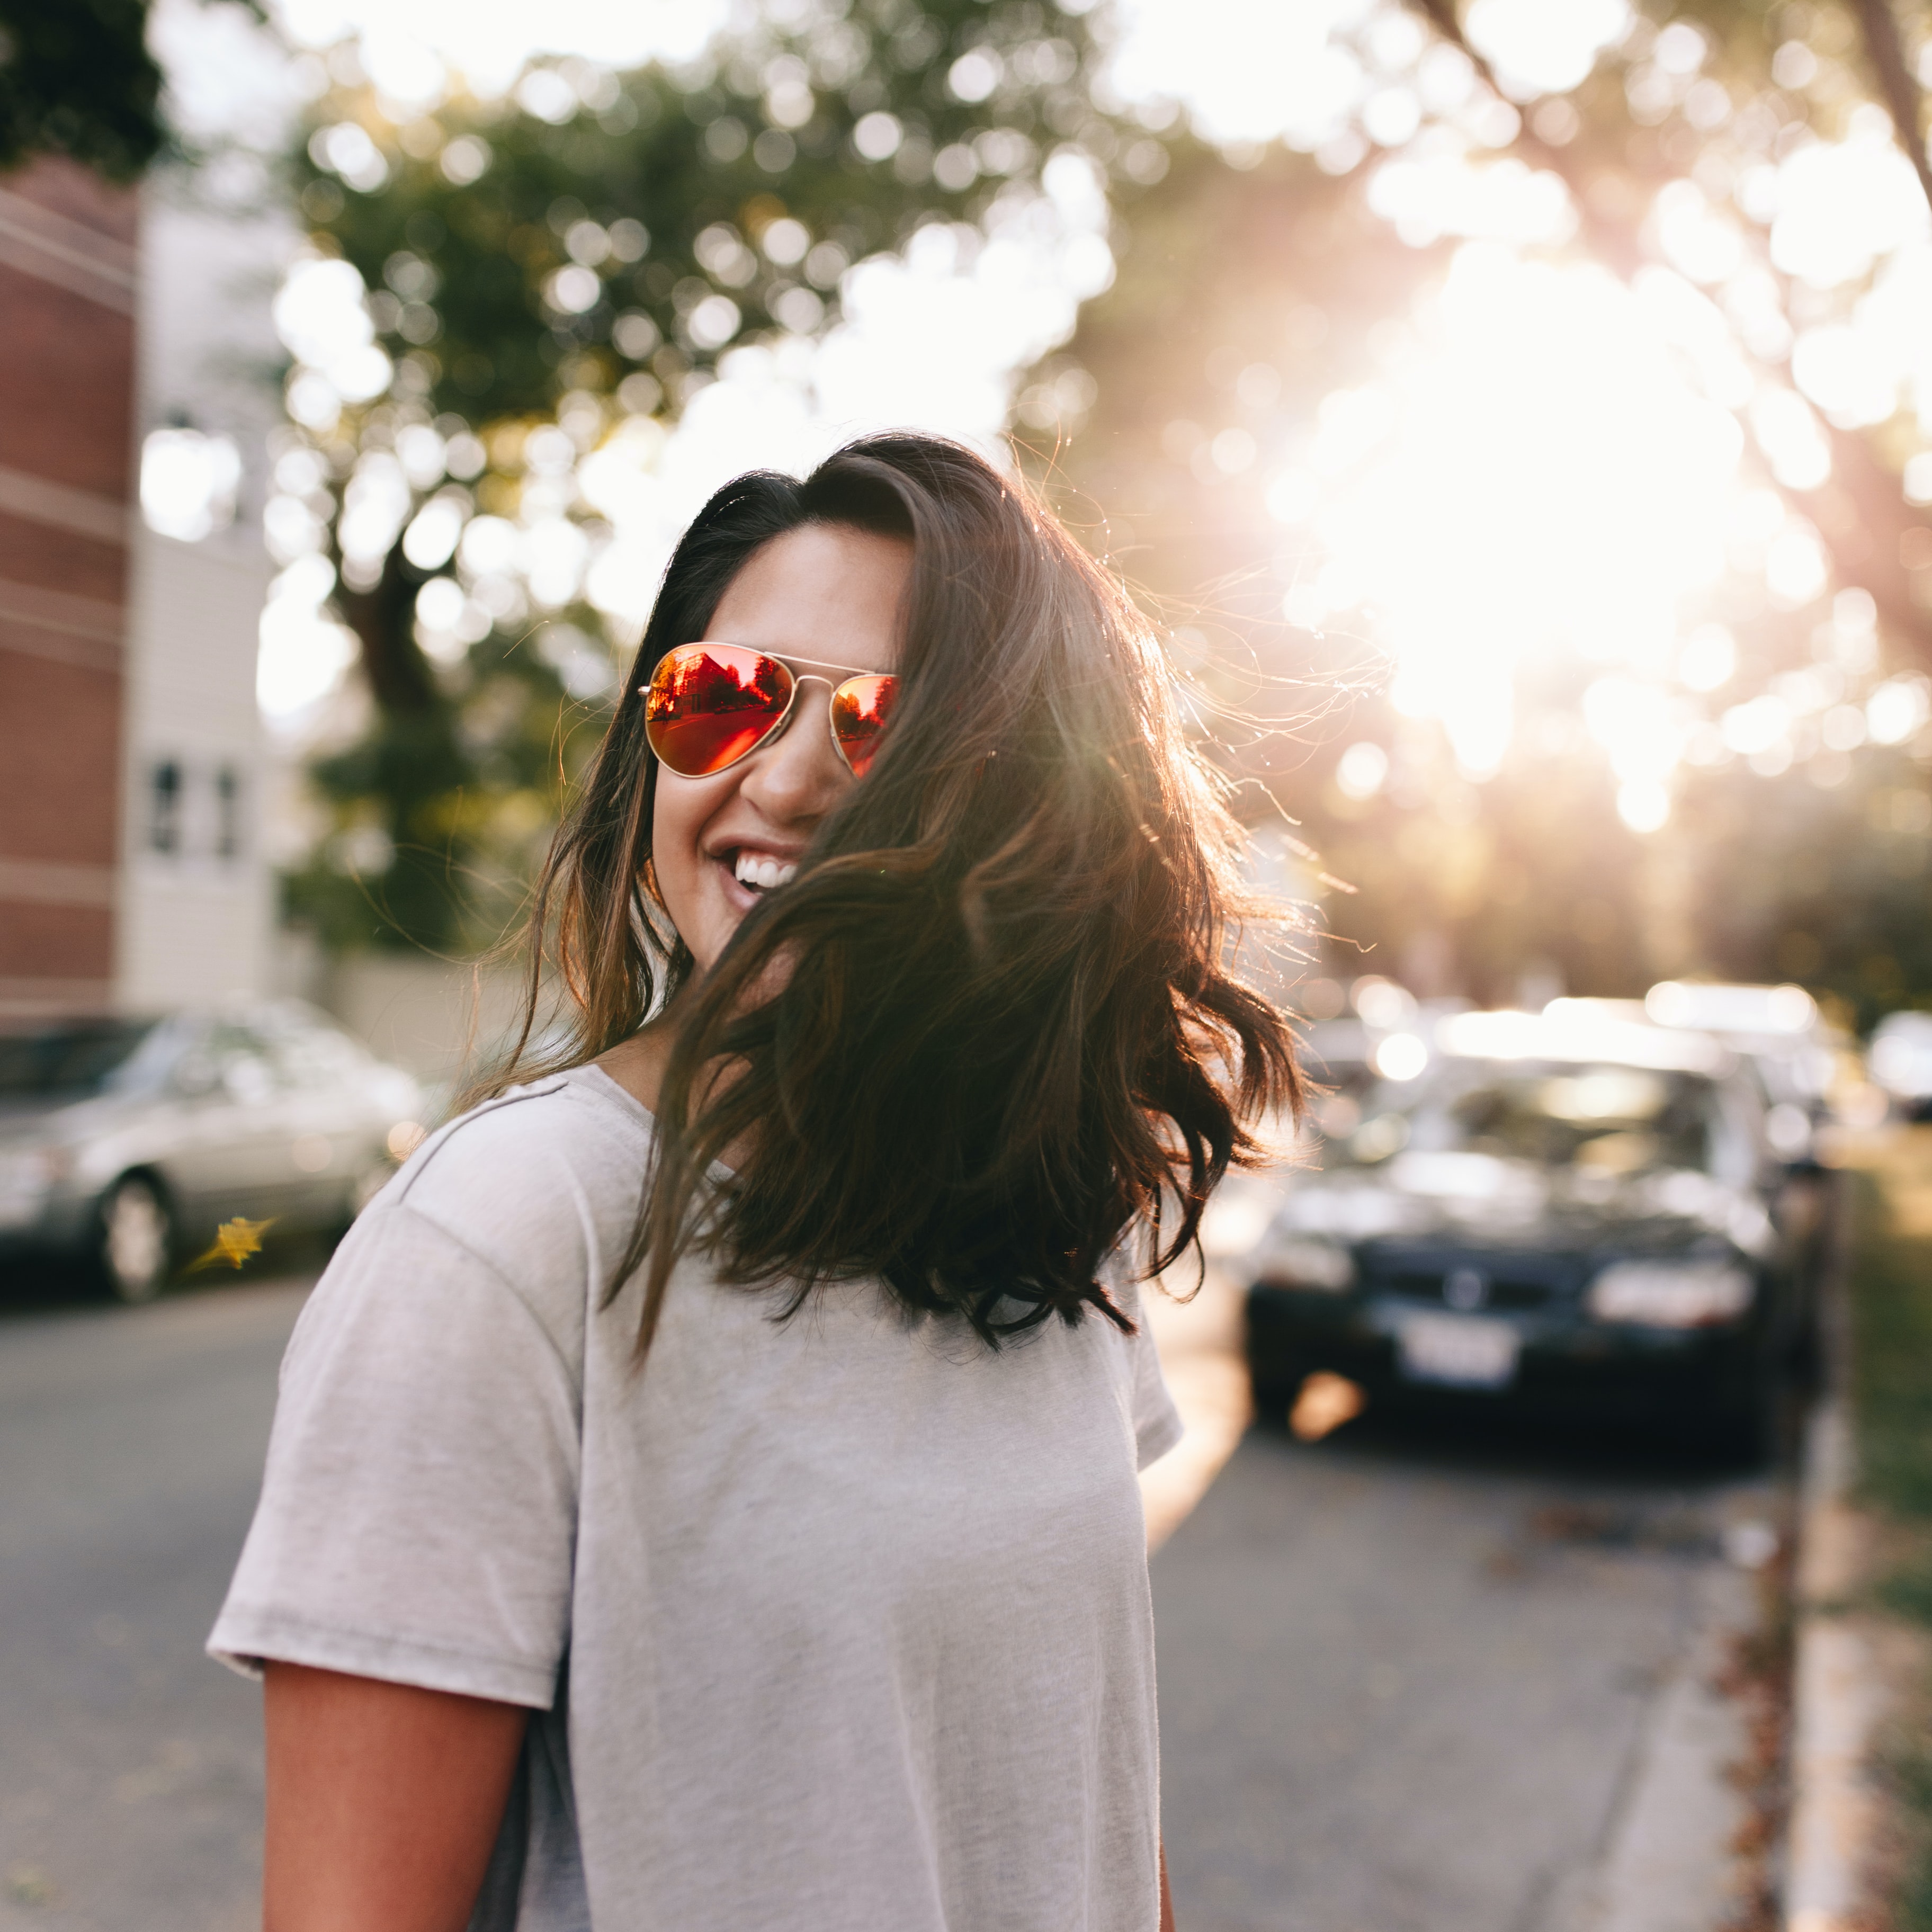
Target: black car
[(1579, 1217)]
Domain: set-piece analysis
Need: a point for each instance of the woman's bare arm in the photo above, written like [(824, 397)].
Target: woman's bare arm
[(384, 1802)]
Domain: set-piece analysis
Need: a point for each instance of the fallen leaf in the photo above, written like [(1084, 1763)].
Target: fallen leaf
[(234, 1241)]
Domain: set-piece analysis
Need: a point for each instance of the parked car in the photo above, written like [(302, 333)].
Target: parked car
[(125, 1142), (1795, 1054), (1573, 1213), (1792, 1049)]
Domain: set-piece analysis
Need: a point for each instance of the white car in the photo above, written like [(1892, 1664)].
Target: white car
[(124, 1143)]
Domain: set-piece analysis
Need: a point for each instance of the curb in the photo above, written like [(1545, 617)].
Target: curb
[(1836, 1698), (1664, 1868), (1837, 1694)]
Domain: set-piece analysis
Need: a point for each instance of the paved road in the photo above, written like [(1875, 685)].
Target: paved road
[(1407, 1682), (131, 1451), (1434, 1680)]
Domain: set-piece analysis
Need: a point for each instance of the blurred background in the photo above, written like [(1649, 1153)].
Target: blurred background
[(1515, 415), (1519, 419)]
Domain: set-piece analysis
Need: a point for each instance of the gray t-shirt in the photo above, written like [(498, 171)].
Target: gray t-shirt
[(838, 1623)]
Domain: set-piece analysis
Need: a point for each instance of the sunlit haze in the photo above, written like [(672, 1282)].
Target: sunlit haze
[(1543, 465)]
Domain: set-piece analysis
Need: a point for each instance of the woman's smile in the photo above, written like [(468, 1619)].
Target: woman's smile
[(756, 872), (821, 594)]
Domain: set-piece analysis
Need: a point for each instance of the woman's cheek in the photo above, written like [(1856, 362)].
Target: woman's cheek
[(682, 810)]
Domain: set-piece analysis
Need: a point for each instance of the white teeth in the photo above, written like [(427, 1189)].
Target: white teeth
[(765, 874)]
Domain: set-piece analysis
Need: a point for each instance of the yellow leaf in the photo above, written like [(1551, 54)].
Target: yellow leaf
[(234, 1241)]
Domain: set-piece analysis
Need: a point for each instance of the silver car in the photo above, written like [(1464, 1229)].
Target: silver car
[(124, 1143)]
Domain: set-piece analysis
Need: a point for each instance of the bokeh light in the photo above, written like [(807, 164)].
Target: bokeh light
[(1532, 473), (188, 482)]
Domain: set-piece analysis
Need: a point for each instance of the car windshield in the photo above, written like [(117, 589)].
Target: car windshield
[(73, 1058), (1603, 1119)]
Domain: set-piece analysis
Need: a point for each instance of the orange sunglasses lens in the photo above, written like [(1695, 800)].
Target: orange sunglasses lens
[(708, 705), (860, 709)]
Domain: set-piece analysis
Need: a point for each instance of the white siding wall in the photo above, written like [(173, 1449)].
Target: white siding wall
[(195, 922), (197, 891), (443, 1022)]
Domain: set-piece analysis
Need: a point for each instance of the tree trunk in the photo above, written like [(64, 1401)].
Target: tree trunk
[(383, 620)]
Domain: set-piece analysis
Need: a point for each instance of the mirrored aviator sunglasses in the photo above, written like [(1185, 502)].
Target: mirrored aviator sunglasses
[(708, 706)]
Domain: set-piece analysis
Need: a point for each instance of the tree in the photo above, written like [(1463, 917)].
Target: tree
[(538, 281), (1256, 301), (77, 79)]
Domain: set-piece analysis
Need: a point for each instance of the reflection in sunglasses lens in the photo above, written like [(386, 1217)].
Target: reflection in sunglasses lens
[(860, 708), (707, 708)]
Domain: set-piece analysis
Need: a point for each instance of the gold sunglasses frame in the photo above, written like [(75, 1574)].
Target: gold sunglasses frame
[(791, 704)]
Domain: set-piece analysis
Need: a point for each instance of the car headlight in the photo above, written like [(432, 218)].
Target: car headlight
[(1302, 1260), (26, 1177), (35, 1167), (1671, 1295)]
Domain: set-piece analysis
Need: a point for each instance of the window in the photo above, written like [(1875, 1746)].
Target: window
[(164, 807), (248, 1072), (227, 812), (69, 1058)]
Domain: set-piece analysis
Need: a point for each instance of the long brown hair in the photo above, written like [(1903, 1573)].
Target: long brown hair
[(1002, 1032)]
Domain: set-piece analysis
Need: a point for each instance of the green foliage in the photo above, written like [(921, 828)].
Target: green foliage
[(682, 154), (443, 811), (1892, 1329), (1912, 1775), (77, 79), (1827, 885), (587, 265), (1907, 1593)]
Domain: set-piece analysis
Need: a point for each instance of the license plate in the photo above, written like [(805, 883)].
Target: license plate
[(1461, 1351)]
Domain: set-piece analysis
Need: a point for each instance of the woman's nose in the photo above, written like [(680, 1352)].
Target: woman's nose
[(799, 775)]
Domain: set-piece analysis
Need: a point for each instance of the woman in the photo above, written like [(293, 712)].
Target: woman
[(703, 1496)]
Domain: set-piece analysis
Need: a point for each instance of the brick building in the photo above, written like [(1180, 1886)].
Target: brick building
[(132, 873), (68, 279)]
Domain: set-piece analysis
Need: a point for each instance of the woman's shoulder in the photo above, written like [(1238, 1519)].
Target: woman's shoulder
[(580, 1116), (502, 1229), (544, 1178)]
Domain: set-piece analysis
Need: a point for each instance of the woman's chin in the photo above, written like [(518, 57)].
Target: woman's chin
[(724, 912)]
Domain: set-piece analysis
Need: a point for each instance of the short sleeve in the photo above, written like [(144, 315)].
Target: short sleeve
[(1157, 1424), (417, 1515)]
